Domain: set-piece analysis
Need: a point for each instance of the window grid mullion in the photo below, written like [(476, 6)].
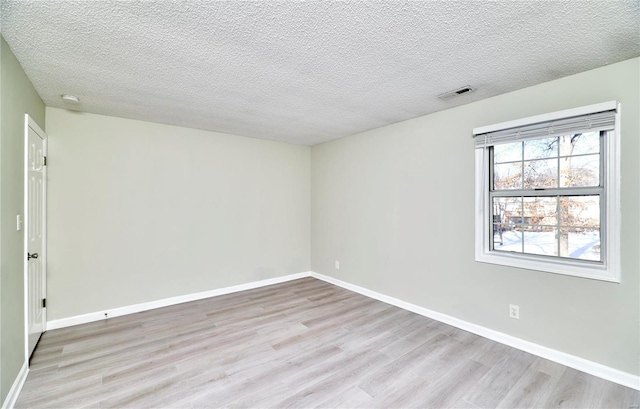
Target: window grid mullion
[(565, 191), (558, 223), (522, 164), (522, 222), (580, 155)]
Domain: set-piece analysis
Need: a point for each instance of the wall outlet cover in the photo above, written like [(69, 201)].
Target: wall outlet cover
[(514, 311)]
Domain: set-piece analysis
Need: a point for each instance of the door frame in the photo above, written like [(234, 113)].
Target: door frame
[(29, 123)]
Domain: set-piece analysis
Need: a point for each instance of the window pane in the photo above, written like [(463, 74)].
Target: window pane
[(540, 241), (580, 211), (507, 215), (582, 244), (541, 148), (510, 240), (508, 152), (541, 174), (580, 171), (507, 210), (507, 176), (540, 211), (586, 143)]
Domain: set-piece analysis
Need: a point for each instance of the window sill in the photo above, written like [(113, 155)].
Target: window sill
[(564, 267)]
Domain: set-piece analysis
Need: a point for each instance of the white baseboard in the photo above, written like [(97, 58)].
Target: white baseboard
[(572, 361), (132, 309), (16, 388)]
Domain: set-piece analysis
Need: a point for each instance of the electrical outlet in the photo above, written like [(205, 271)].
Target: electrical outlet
[(19, 222), (337, 265), (514, 311)]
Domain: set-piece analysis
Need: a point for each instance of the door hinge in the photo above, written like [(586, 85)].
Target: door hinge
[(44, 303), (44, 160)]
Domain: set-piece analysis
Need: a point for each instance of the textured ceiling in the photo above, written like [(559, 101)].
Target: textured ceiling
[(304, 72)]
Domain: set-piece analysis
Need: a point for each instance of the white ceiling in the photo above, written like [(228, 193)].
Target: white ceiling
[(304, 72)]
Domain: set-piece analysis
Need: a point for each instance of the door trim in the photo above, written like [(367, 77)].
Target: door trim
[(29, 123)]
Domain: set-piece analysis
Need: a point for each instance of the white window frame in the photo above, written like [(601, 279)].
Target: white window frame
[(609, 268)]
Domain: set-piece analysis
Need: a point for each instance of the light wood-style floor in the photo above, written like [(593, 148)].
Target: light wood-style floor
[(300, 344)]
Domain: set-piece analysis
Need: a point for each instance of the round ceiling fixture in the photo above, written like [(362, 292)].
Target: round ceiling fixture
[(70, 98)]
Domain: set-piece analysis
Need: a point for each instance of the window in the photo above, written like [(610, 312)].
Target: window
[(547, 192)]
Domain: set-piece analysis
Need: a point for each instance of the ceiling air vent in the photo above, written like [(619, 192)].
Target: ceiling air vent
[(460, 91)]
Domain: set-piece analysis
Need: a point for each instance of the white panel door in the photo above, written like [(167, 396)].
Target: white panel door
[(35, 222)]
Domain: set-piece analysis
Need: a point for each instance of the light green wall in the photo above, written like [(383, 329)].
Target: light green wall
[(18, 97), (137, 205), (395, 206)]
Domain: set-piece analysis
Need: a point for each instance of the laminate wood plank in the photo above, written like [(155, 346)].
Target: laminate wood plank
[(56, 379), (412, 323), (463, 404), (500, 379), (375, 320), (353, 397), (379, 382), (295, 364), (58, 390), (261, 380), (490, 353), (303, 343), (319, 371), (281, 331), (530, 391), (412, 340), (57, 338), (340, 314), (315, 294), (569, 391), (452, 386), (41, 375), (352, 370), (452, 353), (592, 392), (614, 396), (179, 394), (160, 332), (553, 369), (354, 341), (134, 394), (320, 335), (401, 393), (260, 398)]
